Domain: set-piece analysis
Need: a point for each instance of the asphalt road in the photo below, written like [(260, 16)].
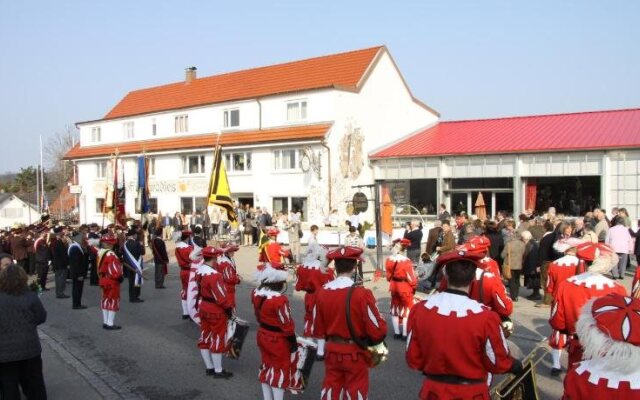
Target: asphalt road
[(155, 355)]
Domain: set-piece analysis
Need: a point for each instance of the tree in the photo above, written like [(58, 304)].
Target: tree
[(59, 170)]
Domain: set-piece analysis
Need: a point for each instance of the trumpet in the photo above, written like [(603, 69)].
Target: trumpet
[(522, 386)]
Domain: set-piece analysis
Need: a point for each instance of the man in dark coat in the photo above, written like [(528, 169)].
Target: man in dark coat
[(432, 237), (60, 260), (160, 258), (546, 254), (19, 245), (78, 266), (93, 239), (132, 264), (43, 256)]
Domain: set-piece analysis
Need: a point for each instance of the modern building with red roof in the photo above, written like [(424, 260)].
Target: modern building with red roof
[(573, 162), (295, 135)]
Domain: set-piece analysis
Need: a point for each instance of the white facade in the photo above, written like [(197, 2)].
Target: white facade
[(14, 211), (382, 104)]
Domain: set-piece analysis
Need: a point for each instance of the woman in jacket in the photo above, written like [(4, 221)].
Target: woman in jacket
[(530, 265), (20, 313), (513, 254)]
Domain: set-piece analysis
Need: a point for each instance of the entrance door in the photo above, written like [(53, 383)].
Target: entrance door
[(459, 203)]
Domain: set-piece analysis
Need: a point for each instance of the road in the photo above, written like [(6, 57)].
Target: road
[(155, 356)]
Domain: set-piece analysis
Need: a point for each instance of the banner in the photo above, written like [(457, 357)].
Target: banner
[(143, 184), (219, 191), (119, 194)]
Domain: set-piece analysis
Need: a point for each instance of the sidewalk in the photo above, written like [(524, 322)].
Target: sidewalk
[(62, 380)]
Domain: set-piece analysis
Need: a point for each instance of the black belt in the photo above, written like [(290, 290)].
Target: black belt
[(454, 379), (270, 328), (398, 279), (339, 339)]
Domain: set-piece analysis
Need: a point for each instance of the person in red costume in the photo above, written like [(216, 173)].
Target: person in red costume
[(272, 252), (214, 309), (183, 257), (560, 270), (402, 285), (468, 345), (635, 286), (110, 273), (276, 334), (481, 244), (312, 274), (226, 265), (346, 363), (609, 331), (573, 293)]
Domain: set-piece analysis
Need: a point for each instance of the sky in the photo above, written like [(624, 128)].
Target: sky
[(68, 61)]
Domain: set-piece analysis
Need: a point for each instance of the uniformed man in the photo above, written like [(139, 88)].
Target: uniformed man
[(346, 362), (402, 285), (77, 269), (93, 240), (183, 253), (160, 258), (609, 331), (133, 265), (226, 265), (272, 252), (43, 256), (468, 344), (110, 272), (60, 260)]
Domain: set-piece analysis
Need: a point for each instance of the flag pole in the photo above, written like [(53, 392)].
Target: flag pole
[(41, 177)]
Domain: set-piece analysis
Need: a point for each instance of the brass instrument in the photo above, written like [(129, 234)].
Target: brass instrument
[(522, 386)]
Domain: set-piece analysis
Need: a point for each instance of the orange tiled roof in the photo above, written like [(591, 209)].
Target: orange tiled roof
[(303, 132), (344, 70)]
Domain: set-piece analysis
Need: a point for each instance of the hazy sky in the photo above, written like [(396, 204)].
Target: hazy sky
[(68, 61)]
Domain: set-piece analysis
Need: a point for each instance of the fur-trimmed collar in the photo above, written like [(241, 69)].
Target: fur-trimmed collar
[(479, 272), (181, 245), (398, 257), (592, 280), (597, 371), (204, 269), (448, 303), (341, 282), (567, 261), (312, 264), (268, 293)]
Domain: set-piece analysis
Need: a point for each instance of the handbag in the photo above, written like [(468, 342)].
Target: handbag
[(506, 266), (379, 352)]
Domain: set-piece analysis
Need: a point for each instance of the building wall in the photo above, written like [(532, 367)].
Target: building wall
[(623, 187), (15, 211)]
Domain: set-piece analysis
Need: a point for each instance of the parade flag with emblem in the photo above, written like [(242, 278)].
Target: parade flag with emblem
[(263, 240), (219, 191), (119, 195), (143, 184)]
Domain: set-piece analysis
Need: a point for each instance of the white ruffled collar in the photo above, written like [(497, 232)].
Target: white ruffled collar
[(567, 261), (612, 378), (341, 282), (592, 280), (204, 269), (268, 293), (398, 257), (448, 303)]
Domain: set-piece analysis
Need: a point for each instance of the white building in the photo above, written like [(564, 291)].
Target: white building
[(294, 135), (573, 162), (14, 211)]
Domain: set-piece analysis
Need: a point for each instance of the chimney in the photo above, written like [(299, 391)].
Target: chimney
[(190, 74)]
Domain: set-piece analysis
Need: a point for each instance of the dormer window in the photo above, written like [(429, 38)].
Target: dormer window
[(181, 123), (127, 130), (95, 134), (296, 110), (232, 118)]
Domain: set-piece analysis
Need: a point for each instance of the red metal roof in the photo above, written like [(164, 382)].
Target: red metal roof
[(344, 70), (178, 142), (538, 133)]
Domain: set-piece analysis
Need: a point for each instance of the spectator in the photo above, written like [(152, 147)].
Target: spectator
[(578, 228), (435, 233), (546, 255), (415, 236), (293, 231), (536, 228), (602, 226), (619, 239), (167, 229), (588, 234), (353, 239), (20, 352), (448, 240), (497, 242), (443, 214), (636, 250), (530, 265), (206, 223), (5, 259), (523, 225), (513, 253)]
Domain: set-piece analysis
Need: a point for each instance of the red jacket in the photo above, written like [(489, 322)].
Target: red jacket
[(311, 278), (561, 270), (494, 294), (272, 309), (400, 274), (227, 267), (212, 293), (588, 380), (490, 265), (183, 255), (109, 268), (273, 253)]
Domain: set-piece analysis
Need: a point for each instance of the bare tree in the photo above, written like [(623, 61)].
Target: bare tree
[(54, 150)]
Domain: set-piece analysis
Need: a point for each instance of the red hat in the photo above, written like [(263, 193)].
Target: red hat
[(609, 329), (273, 231), (345, 252), (590, 251), (230, 248), (186, 232), (403, 242), (459, 254), (210, 252), (476, 244), (109, 238)]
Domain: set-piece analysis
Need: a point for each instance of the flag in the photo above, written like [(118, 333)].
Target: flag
[(143, 184), (119, 194), (262, 243), (219, 191)]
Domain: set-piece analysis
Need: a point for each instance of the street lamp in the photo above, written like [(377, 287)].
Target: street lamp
[(400, 209)]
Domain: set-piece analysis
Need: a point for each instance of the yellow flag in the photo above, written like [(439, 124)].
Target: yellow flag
[(219, 192)]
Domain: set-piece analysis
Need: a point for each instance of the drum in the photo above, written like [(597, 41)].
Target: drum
[(305, 357), (237, 330)]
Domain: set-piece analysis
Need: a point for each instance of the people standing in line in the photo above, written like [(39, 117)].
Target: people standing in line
[(93, 244), (619, 239), (402, 286), (110, 272), (346, 363), (133, 264), (513, 254), (530, 266), (43, 256), (78, 267), (470, 340), (183, 252), (415, 237), (448, 240), (60, 260), (160, 259), (215, 309), (20, 351)]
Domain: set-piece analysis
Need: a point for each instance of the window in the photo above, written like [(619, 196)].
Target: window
[(285, 159), (127, 130), (237, 162), (192, 165), (297, 111), (95, 134), (153, 205), (231, 118), (280, 204), (101, 169), (190, 204), (181, 123), (11, 212), (99, 206), (152, 166), (154, 127)]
